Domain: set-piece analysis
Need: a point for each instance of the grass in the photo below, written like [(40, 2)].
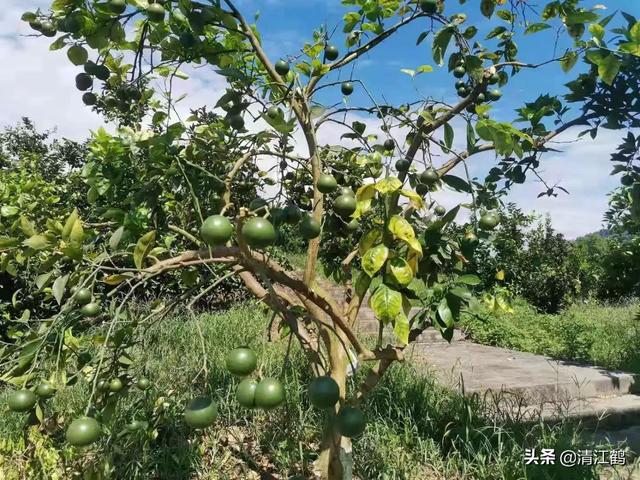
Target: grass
[(416, 428), (604, 335)]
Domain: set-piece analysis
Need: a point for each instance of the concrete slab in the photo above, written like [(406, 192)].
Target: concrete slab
[(479, 368)]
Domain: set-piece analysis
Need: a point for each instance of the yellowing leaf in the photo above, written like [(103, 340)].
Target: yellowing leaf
[(388, 185), (401, 328), (115, 279), (414, 199), (143, 247), (37, 242), (373, 260), (368, 240), (500, 275), (386, 304), (401, 228), (400, 270)]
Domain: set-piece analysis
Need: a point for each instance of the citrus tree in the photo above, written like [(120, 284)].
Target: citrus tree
[(172, 194)]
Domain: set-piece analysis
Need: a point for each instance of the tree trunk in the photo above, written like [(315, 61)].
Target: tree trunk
[(334, 461)]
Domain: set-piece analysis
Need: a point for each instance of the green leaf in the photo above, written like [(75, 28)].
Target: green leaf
[(8, 211), (568, 61), (386, 303), (634, 32), (448, 135), (373, 260), (58, 288), (42, 280), (469, 279), (26, 226), (536, 27), (441, 43), (457, 183), (581, 17), (115, 238), (401, 328), (36, 242), (597, 30), (461, 292), (143, 247), (68, 225), (608, 64), (400, 271), (444, 313)]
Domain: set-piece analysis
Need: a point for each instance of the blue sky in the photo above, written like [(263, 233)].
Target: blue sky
[(39, 84)]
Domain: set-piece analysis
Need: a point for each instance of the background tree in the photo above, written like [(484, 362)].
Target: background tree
[(153, 189)]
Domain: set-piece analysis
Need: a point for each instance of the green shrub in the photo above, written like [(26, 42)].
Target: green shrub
[(608, 336)]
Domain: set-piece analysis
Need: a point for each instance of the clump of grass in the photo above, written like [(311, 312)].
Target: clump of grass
[(604, 335), (416, 428)]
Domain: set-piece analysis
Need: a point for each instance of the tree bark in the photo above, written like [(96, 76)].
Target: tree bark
[(335, 448)]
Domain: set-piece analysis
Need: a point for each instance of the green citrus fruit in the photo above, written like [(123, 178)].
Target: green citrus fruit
[(48, 29), (187, 39), (241, 361), (21, 400), (481, 98), (115, 385), (440, 210), (627, 180), (269, 393), (36, 24), (353, 226), (246, 392), (78, 55), (459, 72), (216, 230), (236, 121), (45, 390), (282, 67), (331, 53), (90, 67), (309, 228), (403, 165), (103, 385), (82, 296), (324, 392), (258, 232), (389, 144), (102, 73), (346, 191), (273, 112), (347, 88), (350, 422), (327, 183), (90, 310), (463, 92), (117, 6), (494, 78), (489, 221), (89, 99), (429, 176), (134, 426), (143, 383), (83, 431), (292, 214), (495, 95), (156, 12), (201, 412), (429, 6), (345, 205), (577, 30), (461, 84), (422, 189), (83, 81), (470, 239)]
